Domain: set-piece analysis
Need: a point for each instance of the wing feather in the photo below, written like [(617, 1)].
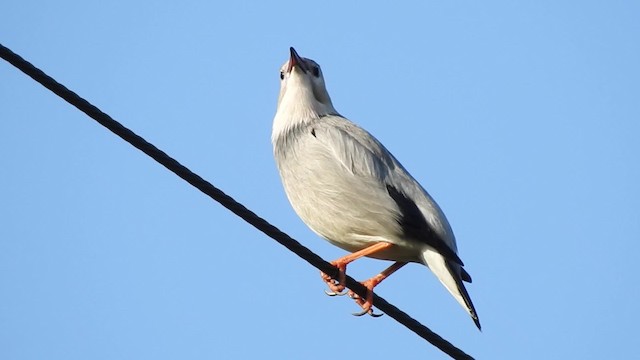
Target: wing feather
[(362, 155)]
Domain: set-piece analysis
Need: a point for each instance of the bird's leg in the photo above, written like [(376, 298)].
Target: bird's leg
[(337, 287), (366, 304)]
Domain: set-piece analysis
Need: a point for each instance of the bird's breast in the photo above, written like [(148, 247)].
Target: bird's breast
[(350, 211)]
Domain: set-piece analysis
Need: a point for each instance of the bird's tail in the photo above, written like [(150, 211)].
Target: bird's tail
[(451, 276)]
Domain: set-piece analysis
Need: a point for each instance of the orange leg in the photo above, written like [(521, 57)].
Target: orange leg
[(367, 303), (337, 287)]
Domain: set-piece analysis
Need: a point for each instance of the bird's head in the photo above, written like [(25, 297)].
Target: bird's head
[(303, 93)]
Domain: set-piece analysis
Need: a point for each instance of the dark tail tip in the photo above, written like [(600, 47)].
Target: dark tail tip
[(476, 321), (465, 294)]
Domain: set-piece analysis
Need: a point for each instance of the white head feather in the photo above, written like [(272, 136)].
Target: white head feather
[(303, 94)]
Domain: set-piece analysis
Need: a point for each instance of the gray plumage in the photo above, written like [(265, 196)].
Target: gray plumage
[(349, 189)]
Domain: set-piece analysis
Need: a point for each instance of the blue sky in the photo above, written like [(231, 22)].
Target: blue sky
[(521, 119)]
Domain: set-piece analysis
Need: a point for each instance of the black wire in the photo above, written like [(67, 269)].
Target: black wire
[(226, 201)]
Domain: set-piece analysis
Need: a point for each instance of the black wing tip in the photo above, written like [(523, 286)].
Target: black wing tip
[(449, 254), (456, 259), (415, 225), (465, 276)]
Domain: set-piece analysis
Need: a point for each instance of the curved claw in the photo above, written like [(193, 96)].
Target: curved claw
[(333, 293), (370, 312), (360, 313)]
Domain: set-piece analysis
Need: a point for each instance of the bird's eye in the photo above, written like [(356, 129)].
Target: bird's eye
[(316, 71), (281, 75)]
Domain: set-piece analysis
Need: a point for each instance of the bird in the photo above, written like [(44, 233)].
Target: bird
[(350, 190)]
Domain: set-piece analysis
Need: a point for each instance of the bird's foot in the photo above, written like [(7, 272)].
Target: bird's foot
[(336, 287), (367, 303)]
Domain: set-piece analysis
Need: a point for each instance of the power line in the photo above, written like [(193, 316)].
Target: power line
[(224, 199)]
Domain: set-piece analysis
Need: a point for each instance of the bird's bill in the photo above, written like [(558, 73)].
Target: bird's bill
[(295, 61)]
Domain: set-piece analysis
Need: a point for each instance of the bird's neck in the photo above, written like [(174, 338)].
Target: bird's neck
[(294, 112), (286, 119)]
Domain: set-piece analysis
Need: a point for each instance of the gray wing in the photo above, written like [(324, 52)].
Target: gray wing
[(364, 156)]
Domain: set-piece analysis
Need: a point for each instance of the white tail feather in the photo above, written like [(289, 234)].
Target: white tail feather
[(436, 263)]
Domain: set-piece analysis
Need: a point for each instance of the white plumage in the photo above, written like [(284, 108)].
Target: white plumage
[(349, 189)]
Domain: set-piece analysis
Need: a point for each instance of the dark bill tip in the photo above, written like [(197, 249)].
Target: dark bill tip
[(295, 60)]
